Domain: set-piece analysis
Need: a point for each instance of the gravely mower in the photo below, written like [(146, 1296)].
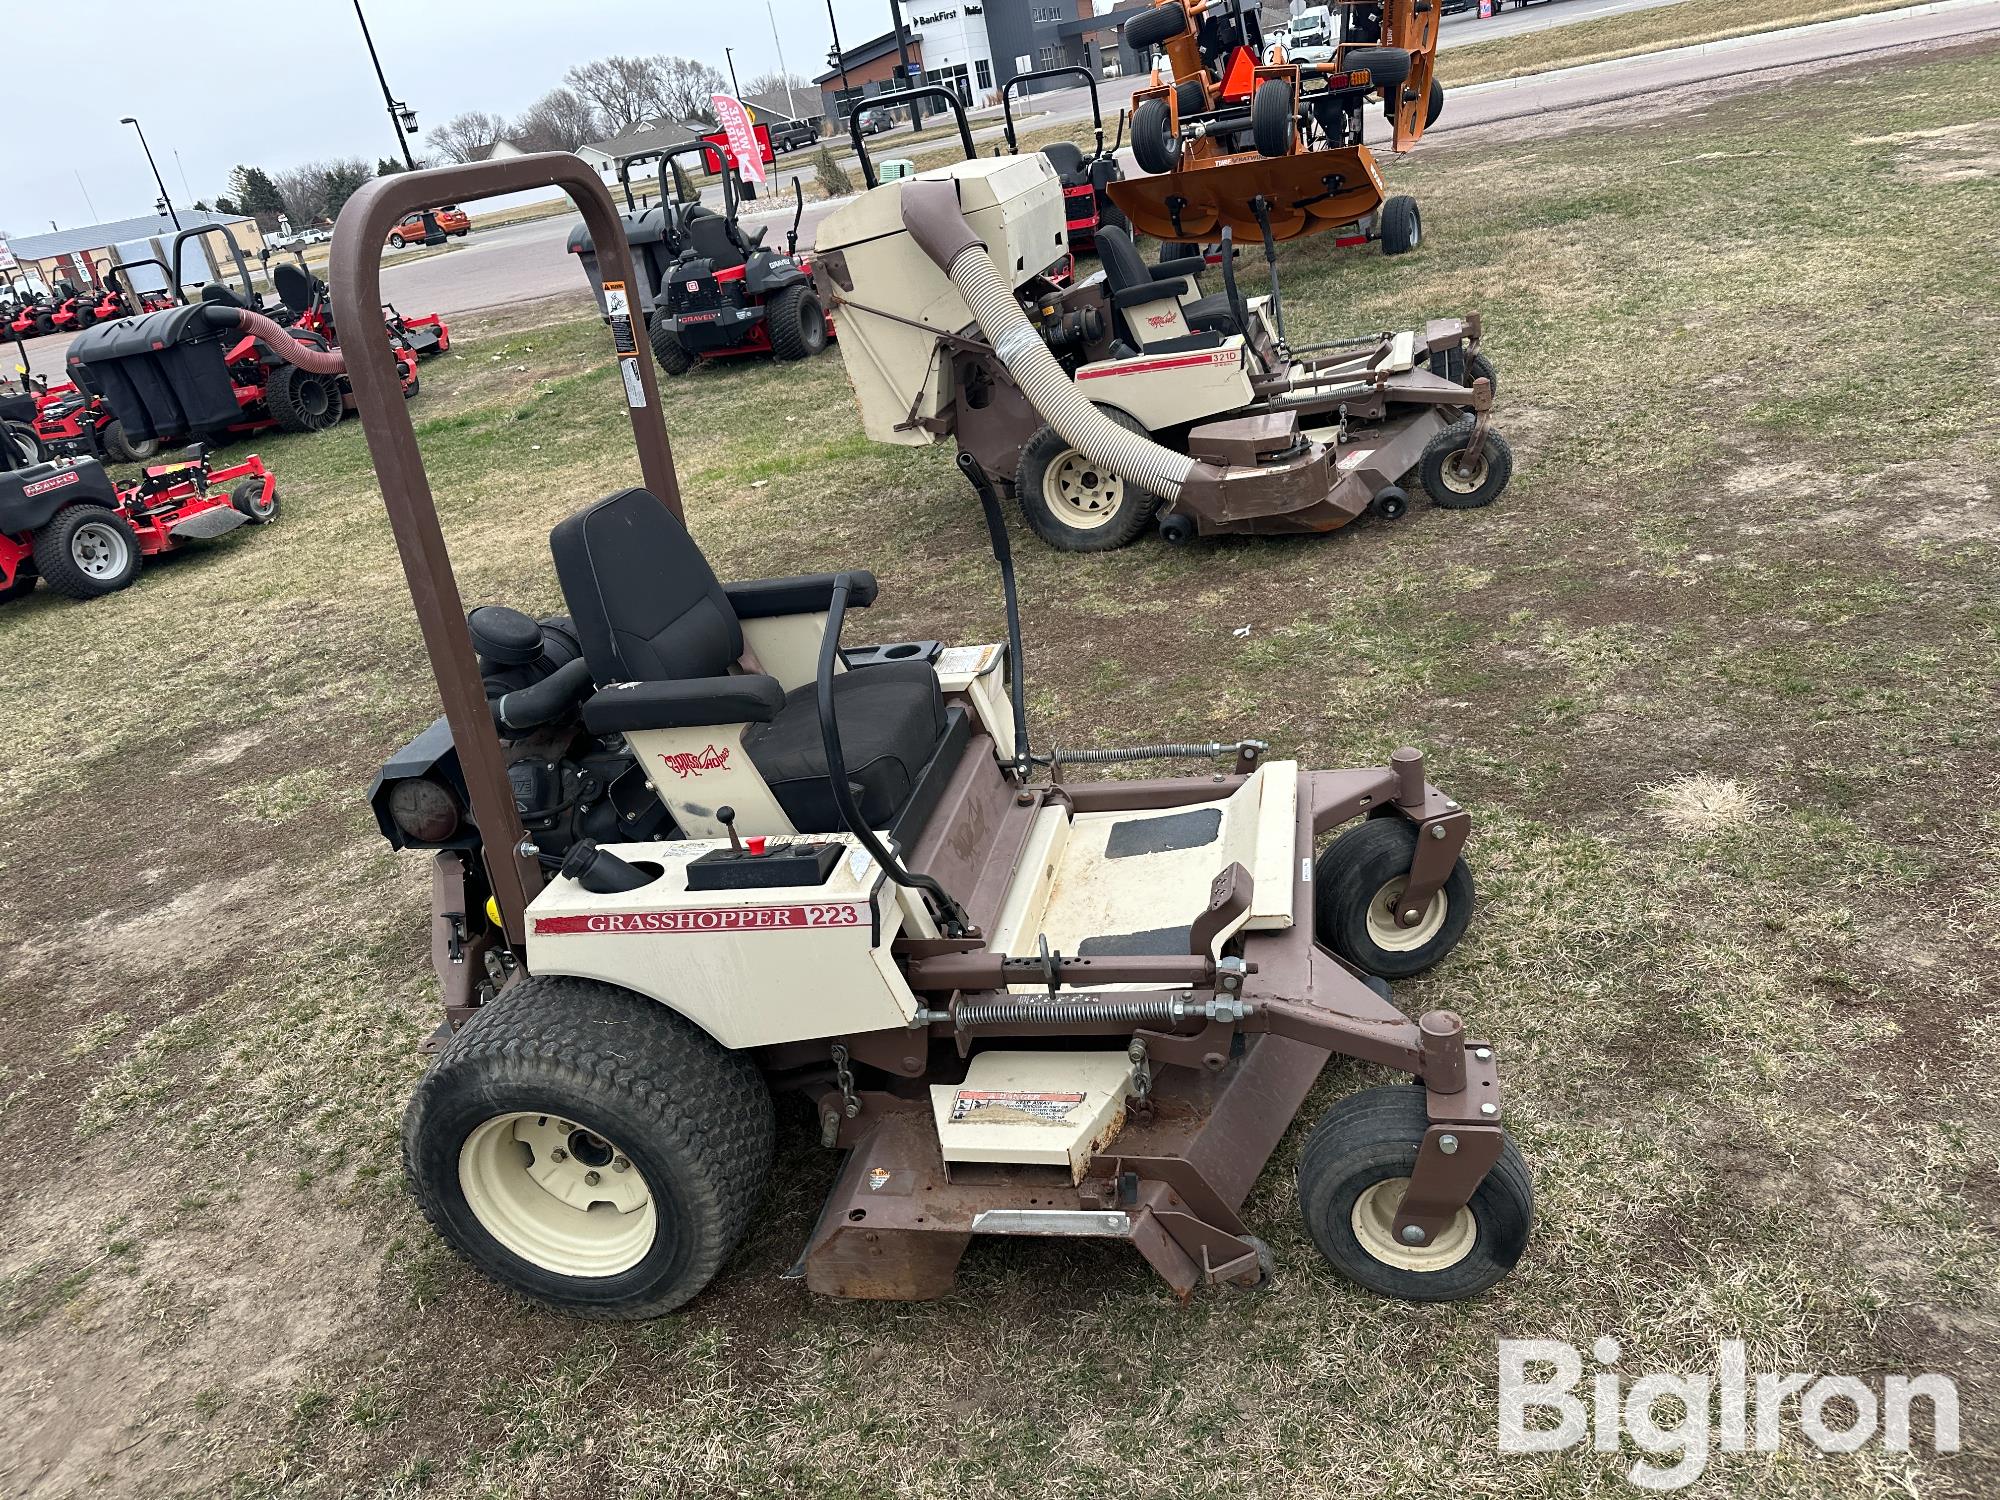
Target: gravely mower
[(708, 289), (68, 524), (1275, 149), (1020, 1005), (305, 305), (1086, 180), (1130, 397), (207, 370)]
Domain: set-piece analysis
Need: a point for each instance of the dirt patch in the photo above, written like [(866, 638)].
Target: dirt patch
[(1954, 154)]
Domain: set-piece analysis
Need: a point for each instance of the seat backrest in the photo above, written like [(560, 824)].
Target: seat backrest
[(709, 238), (215, 291), (294, 284), (646, 603), (1123, 266), (1067, 158)]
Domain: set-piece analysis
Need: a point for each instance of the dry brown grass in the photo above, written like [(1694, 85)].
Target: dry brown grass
[(1745, 546), (1686, 23)]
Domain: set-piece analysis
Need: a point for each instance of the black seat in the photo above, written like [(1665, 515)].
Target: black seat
[(1125, 271), (709, 237), (294, 285), (1067, 158), (215, 291), (649, 610)]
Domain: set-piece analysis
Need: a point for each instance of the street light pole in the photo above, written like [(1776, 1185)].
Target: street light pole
[(791, 104), (903, 57), (399, 117), (839, 58), (157, 178)]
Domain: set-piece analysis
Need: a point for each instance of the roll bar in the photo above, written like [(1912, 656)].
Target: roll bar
[(356, 276), (904, 96), (667, 158), (242, 265), (1072, 71)]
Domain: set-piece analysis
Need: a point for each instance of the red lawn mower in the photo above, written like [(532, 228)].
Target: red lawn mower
[(1086, 204), (68, 524), (307, 306), (205, 371), (719, 292)]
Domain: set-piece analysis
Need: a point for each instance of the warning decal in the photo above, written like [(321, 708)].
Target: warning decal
[(635, 384), (1354, 459), (1012, 1106)]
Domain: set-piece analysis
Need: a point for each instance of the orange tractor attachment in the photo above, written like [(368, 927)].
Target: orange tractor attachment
[(1245, 137)]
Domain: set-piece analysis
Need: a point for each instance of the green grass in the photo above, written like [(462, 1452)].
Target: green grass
[(1715, 677)]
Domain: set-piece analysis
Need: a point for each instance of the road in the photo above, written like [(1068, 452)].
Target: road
[(522, 262)]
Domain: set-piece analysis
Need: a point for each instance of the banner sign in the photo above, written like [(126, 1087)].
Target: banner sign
[(735, 122), (7, 261)]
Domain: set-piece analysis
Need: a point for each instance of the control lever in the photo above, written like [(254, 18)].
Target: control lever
[(726, 816)]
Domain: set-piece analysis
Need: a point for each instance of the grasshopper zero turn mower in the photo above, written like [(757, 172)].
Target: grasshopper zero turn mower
[(1019, 1003), (1274, 148), (1130, 398), (708, 289)]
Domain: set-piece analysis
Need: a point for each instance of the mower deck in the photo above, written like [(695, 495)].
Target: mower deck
[(1305, 194)]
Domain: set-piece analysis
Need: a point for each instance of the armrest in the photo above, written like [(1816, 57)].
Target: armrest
[(1157, 291), (807, 594), (688, 703), (1180, 265)]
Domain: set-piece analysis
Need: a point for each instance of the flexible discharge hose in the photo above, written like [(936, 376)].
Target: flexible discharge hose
[(312, 360), (932, 216)]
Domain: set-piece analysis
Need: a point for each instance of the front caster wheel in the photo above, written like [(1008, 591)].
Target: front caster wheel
[(1358, 891), (1402, 225), (1353, 1172), (589, 1148), (1457, 484), (249, 498)]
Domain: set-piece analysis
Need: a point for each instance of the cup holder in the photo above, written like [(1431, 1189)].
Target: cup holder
[(902, 652)]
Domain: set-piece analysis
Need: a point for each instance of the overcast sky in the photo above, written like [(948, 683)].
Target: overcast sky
[(276, 85)]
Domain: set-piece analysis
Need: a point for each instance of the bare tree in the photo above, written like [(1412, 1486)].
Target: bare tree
[(775, 83), (317, 190), (561, 120), (622, 90), (467, 137), (686, 84)]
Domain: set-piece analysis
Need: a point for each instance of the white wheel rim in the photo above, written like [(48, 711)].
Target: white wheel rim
[(1460, 480), (1082, 494), (99, 550), (1385, 927), (528, 1178), (1374, 1225)]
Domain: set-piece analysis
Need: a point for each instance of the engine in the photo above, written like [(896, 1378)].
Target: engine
[(568, 783)]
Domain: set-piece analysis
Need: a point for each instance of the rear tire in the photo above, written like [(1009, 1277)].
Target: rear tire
[(1274, 118), (86, 552), (1465, 489), (1152, 27), (1402, 225), (534, 1106), (120, 449), (301, 401), (1075, 505), (796, 322), (27, 444), (1388, 67), (1436, 105), (672, 355), (1154, 145)]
